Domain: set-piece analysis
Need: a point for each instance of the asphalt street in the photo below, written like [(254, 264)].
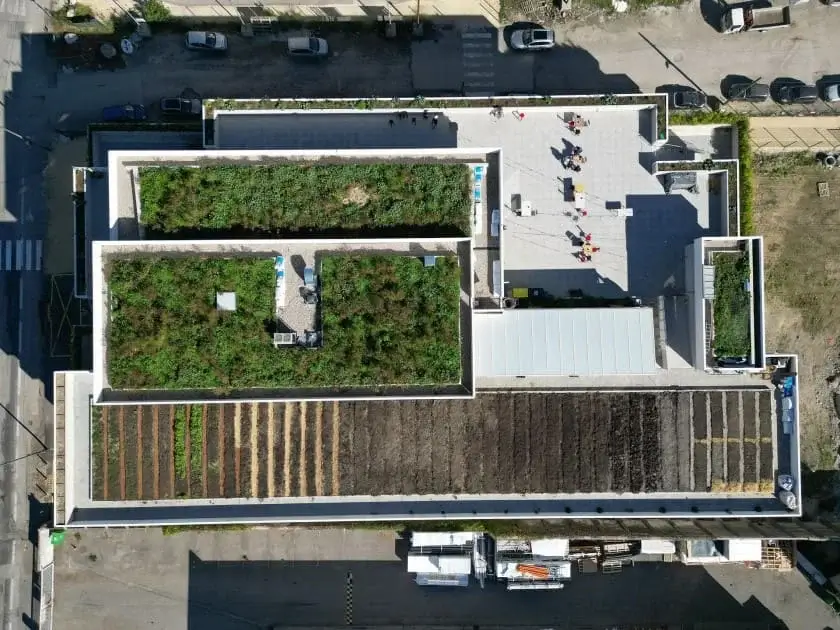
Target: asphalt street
[(23, 154), (279, 577)]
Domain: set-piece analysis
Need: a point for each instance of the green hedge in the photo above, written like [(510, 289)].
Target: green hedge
[(742, 124)]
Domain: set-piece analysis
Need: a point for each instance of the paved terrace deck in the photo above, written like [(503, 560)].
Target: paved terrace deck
[(505, 443)]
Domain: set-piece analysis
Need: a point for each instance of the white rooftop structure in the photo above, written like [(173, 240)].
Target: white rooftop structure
[(226, 301), (558, 342), (445, 565), (742, 550), (442, 539), (550, 547)]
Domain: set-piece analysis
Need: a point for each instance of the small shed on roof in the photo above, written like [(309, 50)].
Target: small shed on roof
[(564, 342)]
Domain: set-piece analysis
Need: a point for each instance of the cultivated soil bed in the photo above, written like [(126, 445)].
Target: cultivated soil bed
[(307, 199), (386, 321), (505, 443), (802, 271)]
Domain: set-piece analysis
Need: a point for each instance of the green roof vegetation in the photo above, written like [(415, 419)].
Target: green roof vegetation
[(732, 304), (386, 321), (343, 199)]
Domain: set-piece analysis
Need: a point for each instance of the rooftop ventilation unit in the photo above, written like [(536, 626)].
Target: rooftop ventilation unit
[(285, 339)]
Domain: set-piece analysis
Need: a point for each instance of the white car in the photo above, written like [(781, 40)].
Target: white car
[(532, 39), (308, 47), (831, 93), (207, 41)]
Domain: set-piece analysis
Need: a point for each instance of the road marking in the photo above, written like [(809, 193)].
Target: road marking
[(478, 57), (28, 255), (38, 255), (19, 257), (8, 265)]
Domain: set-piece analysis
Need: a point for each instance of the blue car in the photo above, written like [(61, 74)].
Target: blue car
[(121, 113)]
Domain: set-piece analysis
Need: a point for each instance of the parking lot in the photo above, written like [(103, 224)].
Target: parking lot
[(298, 577)]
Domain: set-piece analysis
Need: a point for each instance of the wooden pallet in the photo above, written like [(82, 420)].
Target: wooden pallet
[(822, 188), (777, 555)]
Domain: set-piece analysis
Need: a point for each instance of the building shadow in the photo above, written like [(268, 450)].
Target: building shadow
[(271, 594), (657, 234), (573, 70)]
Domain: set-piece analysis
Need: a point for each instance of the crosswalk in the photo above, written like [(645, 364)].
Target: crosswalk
[(21, 255), (479, 47)]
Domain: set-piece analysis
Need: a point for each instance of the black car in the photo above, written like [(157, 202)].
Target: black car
[(178, 106), (798, 93), (688, 99), (753, 92)]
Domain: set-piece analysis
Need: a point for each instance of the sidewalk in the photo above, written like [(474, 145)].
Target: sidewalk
[(345, 9), (776, 134)]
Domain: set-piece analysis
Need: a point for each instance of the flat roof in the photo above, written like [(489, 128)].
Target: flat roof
[(130, 196), (612, 443), (283, 303), (565, 341)]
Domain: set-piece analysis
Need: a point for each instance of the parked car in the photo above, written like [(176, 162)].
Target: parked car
[(311, 47), (688, 99), (207, 41), (121, 113), (178, 106), (532, 39), (798, 93), (753, 92), (831, 92)]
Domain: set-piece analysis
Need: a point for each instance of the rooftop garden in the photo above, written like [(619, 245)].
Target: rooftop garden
[(340, 199), (732, 304), (386, 321)]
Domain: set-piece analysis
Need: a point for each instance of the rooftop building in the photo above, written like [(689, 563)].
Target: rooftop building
[(447, 309)]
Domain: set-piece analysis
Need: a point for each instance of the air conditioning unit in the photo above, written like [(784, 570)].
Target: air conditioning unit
[(285, 339)]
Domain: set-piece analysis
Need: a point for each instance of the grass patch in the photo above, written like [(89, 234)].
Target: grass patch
[(782, 164), (196, 442), (338, 199), (745, 159), (172, 530), (731, 305), (179, 430), (165, 331)]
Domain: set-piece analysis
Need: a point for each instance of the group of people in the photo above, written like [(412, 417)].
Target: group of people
[(576, 124), (576, 160), (404, 116)]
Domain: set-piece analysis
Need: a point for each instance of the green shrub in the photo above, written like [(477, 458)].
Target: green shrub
[(179, 430), (196, 441), (731, 305), (155, 11)]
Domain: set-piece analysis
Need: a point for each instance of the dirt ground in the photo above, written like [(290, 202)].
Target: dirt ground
[(504, 443), (802, 255)]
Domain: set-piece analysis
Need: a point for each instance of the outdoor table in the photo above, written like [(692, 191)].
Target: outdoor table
[(587, 249), (580, 197)]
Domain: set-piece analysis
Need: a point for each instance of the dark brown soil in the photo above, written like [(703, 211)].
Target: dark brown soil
[(167, 461), (229, 453), (213, 449), (716, 413), (146, 454), (750, 428), (733, 462), (499, 443)]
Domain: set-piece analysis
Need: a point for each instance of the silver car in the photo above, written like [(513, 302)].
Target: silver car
[(207, 41), (308, 47), (831, 93), (532, 39)]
